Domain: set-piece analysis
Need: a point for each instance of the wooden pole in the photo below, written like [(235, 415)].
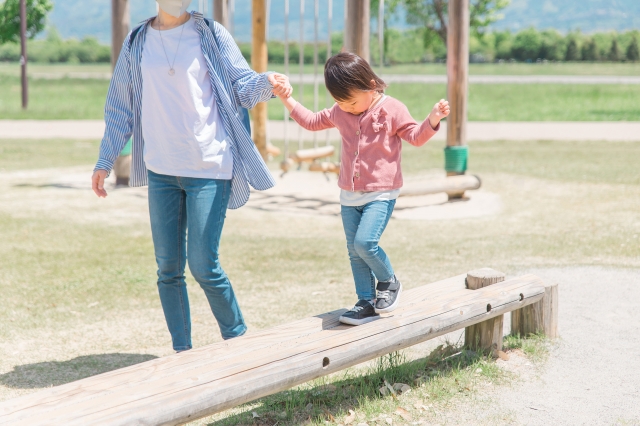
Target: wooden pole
[(540, 317), (23, 54), (119, 30), (119, 27), (259, 64), (356, 27), (221, 12), (487, 335), (457, 71)]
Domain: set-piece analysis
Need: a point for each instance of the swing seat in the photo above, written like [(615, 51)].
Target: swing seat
[(325, 167), (308, 155)]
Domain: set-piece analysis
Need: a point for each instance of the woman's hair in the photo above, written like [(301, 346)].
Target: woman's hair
[(346, 73)]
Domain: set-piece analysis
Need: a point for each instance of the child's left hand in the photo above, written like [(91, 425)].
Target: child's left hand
[(439, 111)]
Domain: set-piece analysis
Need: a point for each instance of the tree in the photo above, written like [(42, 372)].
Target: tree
[(431, 15), (572, 53), (590, 51), (526, 45), (614, 51), (633, 53), (10, 19)]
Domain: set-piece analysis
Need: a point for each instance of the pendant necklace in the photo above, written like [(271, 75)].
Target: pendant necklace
[(171, 70)]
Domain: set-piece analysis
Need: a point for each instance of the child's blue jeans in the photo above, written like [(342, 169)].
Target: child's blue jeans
[(178, 204), (363, 227)]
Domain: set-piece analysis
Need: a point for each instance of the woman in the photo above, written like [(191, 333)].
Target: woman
[(179, 87)]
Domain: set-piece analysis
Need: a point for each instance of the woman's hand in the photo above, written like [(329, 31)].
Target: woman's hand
[(97, 182), (439, 111), (281, 86)]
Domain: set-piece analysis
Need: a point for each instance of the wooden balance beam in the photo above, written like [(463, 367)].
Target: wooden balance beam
[(193, 384)]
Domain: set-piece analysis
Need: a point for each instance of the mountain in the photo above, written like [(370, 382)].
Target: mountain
[(92, 17)]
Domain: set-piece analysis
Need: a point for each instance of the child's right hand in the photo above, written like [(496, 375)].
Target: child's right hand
[(281, 86)]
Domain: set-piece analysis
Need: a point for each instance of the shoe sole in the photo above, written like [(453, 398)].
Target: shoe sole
[(352, 321), (393, 306)]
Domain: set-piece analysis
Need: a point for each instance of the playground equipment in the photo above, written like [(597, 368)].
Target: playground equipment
[(452, 185), (200, 382), (316, 153)]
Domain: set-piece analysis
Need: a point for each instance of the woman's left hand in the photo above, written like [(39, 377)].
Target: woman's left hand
[(281, 86)]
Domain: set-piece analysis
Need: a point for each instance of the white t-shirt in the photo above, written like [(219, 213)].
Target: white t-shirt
[(182, 128), (360, 198)]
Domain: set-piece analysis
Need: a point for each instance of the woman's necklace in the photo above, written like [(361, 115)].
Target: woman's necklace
[(171, 70)]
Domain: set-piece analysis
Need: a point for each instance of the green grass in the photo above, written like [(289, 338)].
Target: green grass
[(62, 99), (511, 102), (574, 68), (535, 346), (84, 98), (446, 373), (24, 154)]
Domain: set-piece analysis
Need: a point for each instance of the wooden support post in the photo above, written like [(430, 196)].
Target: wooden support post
[(487, 335), (259, 64), (356, 27), (119, 30), (221, 12), (119, 27), (457, 88), (539, 317)]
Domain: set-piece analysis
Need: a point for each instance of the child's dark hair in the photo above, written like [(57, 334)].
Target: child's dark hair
[(346, 73)]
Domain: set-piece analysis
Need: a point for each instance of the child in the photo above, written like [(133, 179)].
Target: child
[(372, 126)]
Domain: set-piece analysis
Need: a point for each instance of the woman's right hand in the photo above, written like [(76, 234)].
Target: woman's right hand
[(97, 182)]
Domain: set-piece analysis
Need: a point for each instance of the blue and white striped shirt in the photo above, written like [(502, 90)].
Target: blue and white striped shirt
[(234, 85)]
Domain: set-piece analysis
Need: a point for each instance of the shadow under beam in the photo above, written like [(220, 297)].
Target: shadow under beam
[(55, 373)]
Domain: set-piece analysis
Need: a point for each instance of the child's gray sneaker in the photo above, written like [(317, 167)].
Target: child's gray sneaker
[(388, 295), (362, 313)]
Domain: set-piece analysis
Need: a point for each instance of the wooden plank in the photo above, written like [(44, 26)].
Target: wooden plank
[(459, 183), (539, 317), (186, 395), (286, 335)]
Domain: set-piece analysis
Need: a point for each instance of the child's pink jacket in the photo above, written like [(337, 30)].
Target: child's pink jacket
[(371, 141)]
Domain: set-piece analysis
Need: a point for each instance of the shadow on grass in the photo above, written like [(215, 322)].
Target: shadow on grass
[(445, 372), (54, 373)]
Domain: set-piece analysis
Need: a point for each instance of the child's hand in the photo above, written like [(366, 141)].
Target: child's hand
[(439, 111), (281, 86)]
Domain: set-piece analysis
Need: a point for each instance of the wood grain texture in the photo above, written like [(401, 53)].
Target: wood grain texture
[(539, 317), (487, 335), (356, 28), (451, 184), (457, 71), (119, 27), (196, 383), (259, 64)]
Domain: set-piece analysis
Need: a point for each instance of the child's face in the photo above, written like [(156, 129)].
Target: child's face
[(358, 103)]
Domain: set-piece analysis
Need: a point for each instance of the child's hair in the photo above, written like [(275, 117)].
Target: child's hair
[(346, 73)]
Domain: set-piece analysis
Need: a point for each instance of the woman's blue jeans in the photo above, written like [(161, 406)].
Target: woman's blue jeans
[(178, 205), (363, 227)]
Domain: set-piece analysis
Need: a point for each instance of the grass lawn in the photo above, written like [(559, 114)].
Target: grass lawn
[(574, 68), (84, 99), (78, 273)]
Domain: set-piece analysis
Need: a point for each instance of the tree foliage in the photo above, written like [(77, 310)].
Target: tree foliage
[(432, 16), (633, 53), (10, 19)]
